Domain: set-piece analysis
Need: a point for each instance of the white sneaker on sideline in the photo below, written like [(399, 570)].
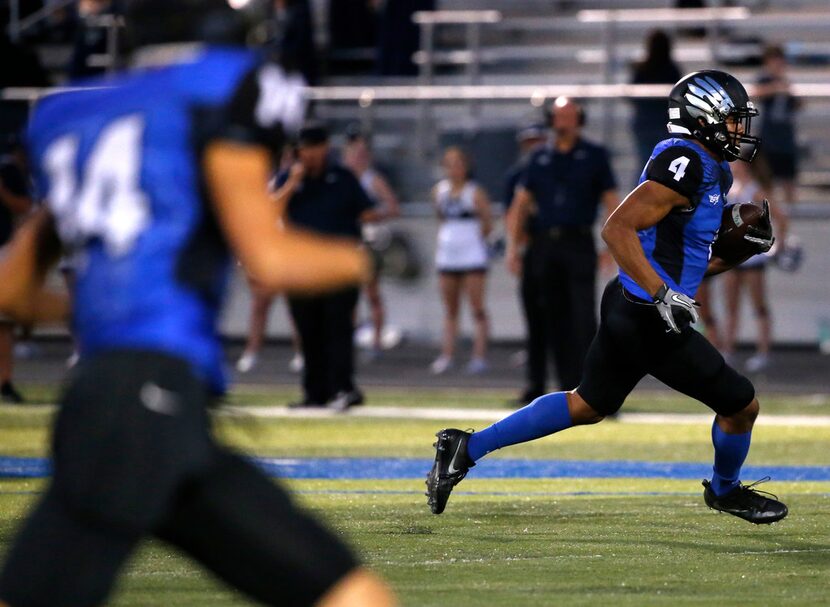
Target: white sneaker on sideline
[(757, 363), (441, 365), (246, 362), (297, 363), (477, 366)]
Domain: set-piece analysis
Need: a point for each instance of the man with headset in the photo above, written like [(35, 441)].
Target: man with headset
[(562, 187)]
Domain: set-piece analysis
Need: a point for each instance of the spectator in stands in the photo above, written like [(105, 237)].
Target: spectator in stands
[(327, 198), (90, 39), (15, 201), (650, 114), (563, 186), (752, 182), (529, 137), (295, 37), (399, 37), (20, 65), (710, 325), (461, 256), (353, 23), (357, 156), (778, 110)]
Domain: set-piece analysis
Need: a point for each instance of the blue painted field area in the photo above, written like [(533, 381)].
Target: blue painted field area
[(400, 468)]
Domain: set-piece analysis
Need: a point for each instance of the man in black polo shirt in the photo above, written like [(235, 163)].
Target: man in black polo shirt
[(325, 197), (562, 187)]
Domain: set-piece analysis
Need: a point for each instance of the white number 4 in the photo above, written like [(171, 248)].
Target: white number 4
[(109, 204), (678, 167)]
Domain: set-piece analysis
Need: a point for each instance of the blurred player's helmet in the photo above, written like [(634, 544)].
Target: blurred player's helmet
[(699, 105), (151, 22)]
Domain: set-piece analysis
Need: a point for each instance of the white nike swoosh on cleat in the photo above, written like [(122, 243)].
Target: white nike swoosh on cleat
[(451, 469)]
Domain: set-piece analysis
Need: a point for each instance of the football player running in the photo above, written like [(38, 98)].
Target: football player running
[(152, 178), (660, 236)]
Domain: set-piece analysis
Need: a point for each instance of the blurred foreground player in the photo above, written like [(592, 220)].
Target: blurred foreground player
[(660, 236), (153, 179)]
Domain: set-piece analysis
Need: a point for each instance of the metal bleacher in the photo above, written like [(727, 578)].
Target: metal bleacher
[(487, 65), (548, 43)]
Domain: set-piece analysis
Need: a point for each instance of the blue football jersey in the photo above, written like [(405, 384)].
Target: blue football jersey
[(119, 167), (679, 245)]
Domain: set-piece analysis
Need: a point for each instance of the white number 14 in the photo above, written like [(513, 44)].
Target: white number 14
[(109, 204)]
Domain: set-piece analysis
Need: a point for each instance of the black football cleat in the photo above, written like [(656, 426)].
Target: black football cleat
[(450, 467), (745, 502)]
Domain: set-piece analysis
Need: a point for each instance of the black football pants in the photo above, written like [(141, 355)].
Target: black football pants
[(533, 308), (326, 327), (133, 457), (564, 272)]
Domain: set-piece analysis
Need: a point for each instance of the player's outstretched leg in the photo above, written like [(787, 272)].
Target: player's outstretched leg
[(457, 451), (731, 437)]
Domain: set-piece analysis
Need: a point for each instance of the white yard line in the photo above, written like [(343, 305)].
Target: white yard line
[(437, 413)]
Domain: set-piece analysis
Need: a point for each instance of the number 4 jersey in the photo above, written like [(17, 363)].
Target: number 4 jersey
[(119, 167), (678, 246)]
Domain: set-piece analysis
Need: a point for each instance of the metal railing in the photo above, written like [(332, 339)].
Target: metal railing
[(470, 20), (17, 25), (366, 96)]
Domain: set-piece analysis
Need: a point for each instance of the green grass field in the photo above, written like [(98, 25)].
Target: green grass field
[(517, 541)]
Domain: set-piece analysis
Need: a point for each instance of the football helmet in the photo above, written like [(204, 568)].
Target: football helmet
[(699, 106)]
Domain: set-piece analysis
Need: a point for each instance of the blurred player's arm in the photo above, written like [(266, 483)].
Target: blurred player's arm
[(643, 208), (279, 259), (24, 263), (521, 208)]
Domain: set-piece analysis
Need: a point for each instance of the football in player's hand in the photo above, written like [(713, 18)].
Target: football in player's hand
[(731, 244)]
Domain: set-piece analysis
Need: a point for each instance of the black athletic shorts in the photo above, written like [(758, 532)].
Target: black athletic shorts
[(632, 342), (133, 457)]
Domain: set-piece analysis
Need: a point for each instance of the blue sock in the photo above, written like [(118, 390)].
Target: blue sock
[(730, 452), (545, 415)]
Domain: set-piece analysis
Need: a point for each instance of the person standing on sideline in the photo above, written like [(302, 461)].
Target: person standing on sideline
[(661, 238), (751, 184), (562, 188), (157, 176), (778, 111), (357, 157), (15, 202), (528, 138), (649, 120), (262, 299), (326, 198), (461, 257)]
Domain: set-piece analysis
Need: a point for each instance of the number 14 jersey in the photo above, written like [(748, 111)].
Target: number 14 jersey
[(120, 168), (679, 245)]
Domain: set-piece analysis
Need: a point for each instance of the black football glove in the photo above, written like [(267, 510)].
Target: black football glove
[(676, 309), (761, 235)]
